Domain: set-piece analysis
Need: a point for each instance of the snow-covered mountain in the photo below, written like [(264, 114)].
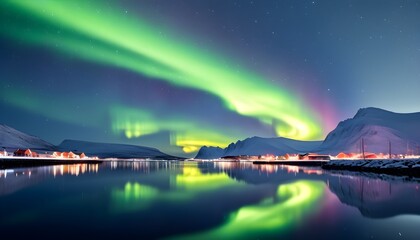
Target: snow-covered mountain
[(210, 153), (377, 127), (11, 138), (259, 146), (111, 150)]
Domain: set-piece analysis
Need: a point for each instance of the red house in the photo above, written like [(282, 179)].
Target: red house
[(23, 153)]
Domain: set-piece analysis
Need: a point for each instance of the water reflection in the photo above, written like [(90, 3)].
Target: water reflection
[(192, 179), (184, 186), (291, 203), (133, 197), (288, 205), (143, 166), (376, 197), (73, 169), (12, 180), (203, 200), (266, 168)]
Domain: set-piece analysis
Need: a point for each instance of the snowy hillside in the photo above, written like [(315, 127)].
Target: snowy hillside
[(13, 139), (210, 153), (259, 146), (110, 150), (377, 127)]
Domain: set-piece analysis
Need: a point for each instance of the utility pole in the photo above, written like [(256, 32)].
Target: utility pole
[(363, 149), (389, 148)]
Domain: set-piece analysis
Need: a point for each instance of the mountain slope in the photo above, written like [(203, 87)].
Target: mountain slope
[(377, 127), (259, 146), (111, 150), (210, 153), (12, 139)]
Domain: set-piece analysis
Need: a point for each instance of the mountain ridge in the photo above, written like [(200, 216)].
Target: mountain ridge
[(377, 127), (12, 139), (113, 150)]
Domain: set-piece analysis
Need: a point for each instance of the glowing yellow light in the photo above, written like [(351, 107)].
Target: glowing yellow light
[(193, 179)]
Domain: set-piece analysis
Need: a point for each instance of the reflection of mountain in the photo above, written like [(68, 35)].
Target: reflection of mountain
[(268, 173), (376, 198)]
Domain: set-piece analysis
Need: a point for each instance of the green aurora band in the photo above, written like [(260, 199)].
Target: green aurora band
[(184, 187), (272, 216), (113, 38), (188, 133)]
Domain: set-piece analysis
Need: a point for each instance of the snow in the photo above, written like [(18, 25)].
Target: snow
[(259, 146), (12, 139), (377, 127), (111, 150)]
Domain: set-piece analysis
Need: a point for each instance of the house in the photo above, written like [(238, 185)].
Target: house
[(71, 155), (318, 157), (370, 155), (3, 153), (342, 155), (82, 155), (313, 156), (23, 153), (57, 154)]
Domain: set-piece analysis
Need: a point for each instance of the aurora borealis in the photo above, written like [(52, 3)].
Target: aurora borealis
[(184, 74)]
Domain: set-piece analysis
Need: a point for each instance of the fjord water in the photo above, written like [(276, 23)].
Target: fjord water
[(189, 200)]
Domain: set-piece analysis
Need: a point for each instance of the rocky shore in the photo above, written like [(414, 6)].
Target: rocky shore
[(408, 167)]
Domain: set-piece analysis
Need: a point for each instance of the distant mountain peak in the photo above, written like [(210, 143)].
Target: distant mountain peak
[(376, 126), (373, 112), (113, 150)]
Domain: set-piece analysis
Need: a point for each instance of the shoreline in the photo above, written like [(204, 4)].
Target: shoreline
[(311, 163), (396, 167), (401, 167), (23, 162)]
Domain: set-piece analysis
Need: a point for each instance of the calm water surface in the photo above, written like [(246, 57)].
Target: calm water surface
[(187, 200)]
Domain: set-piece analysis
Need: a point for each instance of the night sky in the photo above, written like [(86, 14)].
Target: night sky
[(178, 75)]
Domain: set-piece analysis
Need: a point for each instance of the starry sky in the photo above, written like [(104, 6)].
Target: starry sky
[(178, 75)]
